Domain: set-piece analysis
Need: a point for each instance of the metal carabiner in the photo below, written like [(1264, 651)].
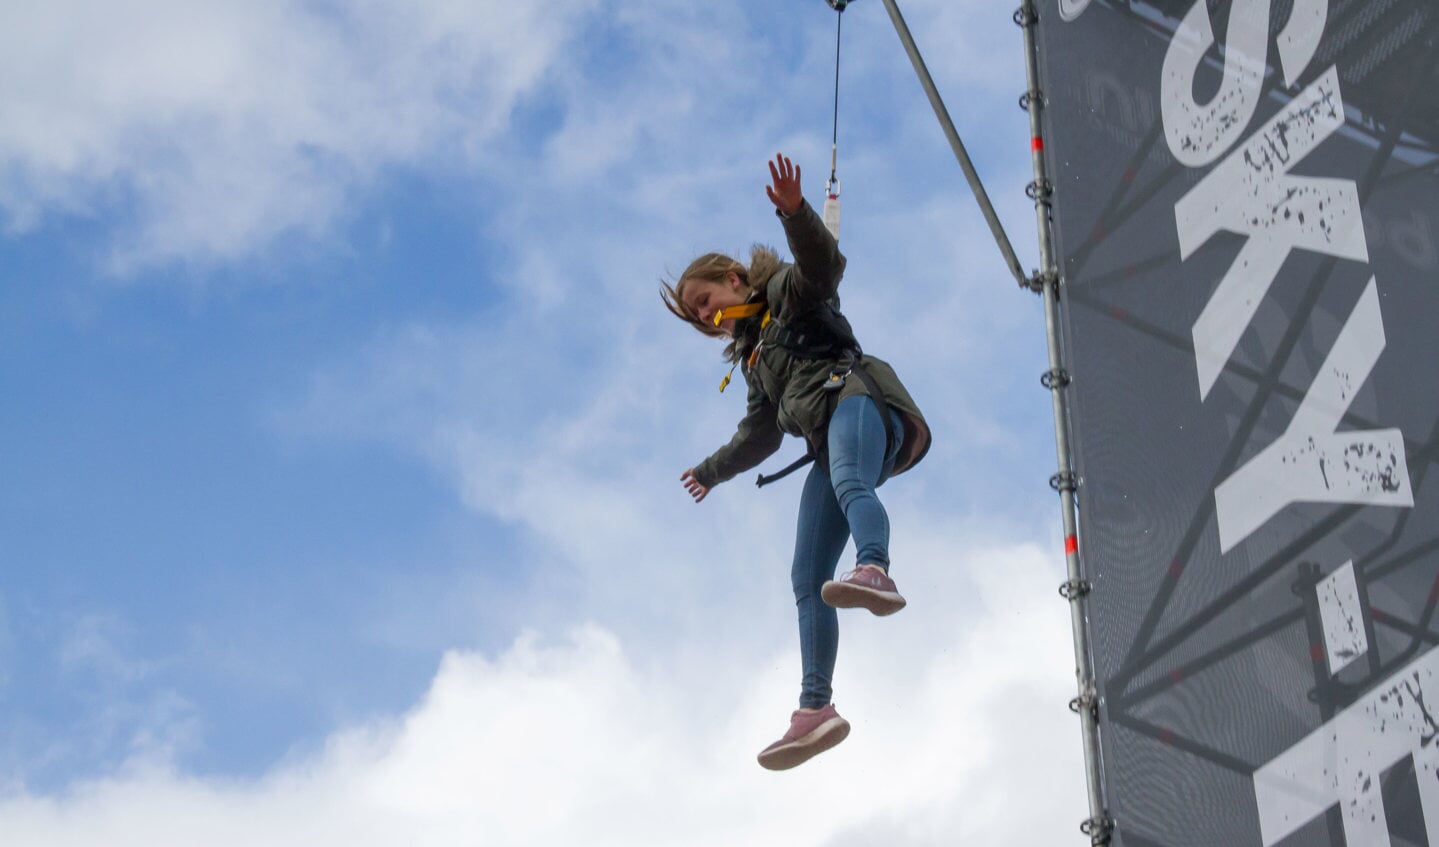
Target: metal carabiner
[(842, 369)]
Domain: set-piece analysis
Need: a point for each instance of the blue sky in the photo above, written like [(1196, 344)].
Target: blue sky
[(343, 428)]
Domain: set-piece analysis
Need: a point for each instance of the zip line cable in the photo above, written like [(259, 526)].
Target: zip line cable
[(831, 188), (834, 138)]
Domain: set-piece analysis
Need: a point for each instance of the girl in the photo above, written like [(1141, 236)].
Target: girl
[(807, 377)]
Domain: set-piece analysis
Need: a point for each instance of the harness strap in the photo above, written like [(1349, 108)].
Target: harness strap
[(743, 310), (876, 394), (785, 471)]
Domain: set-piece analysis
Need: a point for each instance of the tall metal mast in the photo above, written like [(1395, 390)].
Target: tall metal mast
[(1099, 826)]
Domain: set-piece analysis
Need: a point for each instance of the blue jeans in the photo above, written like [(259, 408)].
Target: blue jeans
[(839, 501)]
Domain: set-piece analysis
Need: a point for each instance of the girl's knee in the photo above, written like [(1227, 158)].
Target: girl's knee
[(805, 586)]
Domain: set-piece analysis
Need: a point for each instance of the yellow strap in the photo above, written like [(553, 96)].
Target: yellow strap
[(744, 310)]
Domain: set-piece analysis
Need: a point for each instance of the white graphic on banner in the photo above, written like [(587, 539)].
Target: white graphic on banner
[(1312, 462), (1071, 9), (1199, 134), (1253, 193), (1342, 615), (1341, 762)]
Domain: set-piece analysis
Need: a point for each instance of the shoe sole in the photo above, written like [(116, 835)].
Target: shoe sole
[(844, 595), (806, 747)]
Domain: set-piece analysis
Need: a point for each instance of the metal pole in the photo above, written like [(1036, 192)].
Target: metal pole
[(954, 142), (1099, 826)]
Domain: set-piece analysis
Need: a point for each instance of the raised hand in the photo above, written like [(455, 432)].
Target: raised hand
[(785, 193), (693, 486)]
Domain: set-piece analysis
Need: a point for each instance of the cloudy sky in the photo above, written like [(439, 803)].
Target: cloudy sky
[(343, 429)]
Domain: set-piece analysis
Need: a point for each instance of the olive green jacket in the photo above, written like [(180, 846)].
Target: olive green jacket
[(786, 393)]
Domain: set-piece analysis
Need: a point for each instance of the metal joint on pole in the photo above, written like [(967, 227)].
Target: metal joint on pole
[(1077, 590), (1086, 703), (1099, 828), (1038, 281)]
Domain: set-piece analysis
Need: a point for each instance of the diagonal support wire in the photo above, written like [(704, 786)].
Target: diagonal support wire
[(970, 174)]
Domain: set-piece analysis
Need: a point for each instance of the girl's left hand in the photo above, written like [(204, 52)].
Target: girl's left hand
[(693, 486), (785, 193)]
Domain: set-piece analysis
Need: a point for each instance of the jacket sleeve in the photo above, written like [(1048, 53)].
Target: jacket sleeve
[(818, 264), (756, 439)]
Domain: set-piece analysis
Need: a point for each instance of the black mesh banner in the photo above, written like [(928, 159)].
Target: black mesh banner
[(1246, 208)]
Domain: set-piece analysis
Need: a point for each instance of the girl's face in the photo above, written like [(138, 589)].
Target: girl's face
[(705, 298)]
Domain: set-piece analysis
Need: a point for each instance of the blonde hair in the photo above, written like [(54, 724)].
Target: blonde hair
[(716, 267)]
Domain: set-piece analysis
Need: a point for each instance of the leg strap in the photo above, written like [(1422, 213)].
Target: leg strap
[(784, 472)]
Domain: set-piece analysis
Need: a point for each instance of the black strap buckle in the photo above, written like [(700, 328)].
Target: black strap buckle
[(842, 369)]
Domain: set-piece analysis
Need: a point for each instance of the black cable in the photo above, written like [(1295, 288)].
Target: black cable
[(834, 137)]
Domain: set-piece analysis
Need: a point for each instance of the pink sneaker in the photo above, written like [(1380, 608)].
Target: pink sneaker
[(810, 733), (865, 587)]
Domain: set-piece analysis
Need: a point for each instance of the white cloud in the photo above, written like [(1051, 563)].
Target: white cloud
[(957, 706), (223, 126)]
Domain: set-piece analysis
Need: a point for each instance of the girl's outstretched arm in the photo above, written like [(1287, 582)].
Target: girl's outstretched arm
[(756, 438), (818, 264)]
